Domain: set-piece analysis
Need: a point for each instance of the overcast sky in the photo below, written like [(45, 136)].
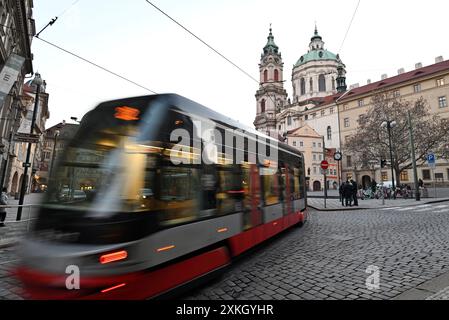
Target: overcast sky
[(135, 40)]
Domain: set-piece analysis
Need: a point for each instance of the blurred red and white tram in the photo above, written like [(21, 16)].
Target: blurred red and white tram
[(152, 214)]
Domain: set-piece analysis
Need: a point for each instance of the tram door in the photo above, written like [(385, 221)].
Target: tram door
[(252, 202)]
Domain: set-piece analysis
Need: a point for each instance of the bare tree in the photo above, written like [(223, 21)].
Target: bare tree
[(371, 142)]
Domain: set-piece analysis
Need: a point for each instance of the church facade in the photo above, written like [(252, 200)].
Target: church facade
[(317, 77)]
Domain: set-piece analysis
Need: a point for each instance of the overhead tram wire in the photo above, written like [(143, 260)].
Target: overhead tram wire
[(349, 27), (96, 65), (52, 21), (210, 47)]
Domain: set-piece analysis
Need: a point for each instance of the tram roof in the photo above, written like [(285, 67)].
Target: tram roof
[(194, 108)]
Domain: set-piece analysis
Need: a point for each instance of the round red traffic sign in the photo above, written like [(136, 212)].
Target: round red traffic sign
[(324, 165)]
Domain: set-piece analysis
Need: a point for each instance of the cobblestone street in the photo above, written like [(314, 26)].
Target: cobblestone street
[(328, 258)]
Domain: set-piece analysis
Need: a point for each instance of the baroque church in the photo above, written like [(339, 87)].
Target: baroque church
[(316, 75)]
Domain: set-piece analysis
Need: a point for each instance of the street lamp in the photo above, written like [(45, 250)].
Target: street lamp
[(390, 125), (37, 81), (57, 132)]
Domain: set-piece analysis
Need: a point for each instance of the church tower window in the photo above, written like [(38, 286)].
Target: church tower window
[(265, 76), (333, 83), (303, 86), (262, 106), (311, 85), (276, 75), (322, 83)]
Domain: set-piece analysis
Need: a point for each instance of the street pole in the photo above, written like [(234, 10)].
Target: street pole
[(415, 170), (391, 158), (324, 172), (38, 82), (53, 155)]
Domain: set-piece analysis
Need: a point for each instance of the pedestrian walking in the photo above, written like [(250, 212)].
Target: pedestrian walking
[(3, 202), (354, 193), (347, 190)]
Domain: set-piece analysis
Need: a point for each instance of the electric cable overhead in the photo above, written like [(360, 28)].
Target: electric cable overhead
[(52, 21), (96, 65), (349, 27), (203, 42)]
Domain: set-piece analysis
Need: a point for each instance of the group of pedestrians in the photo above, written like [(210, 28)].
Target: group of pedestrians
[(348, 193)]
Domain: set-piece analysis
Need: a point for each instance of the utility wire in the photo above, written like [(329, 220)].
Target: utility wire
[(202, 41), (96, 65), (350, 24), (56, 18)]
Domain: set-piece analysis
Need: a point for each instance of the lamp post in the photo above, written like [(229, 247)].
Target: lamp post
[(390, 125), (37, 81), (53, 155)]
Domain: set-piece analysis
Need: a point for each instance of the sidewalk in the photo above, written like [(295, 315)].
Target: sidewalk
[(13, 230), (335, 204)]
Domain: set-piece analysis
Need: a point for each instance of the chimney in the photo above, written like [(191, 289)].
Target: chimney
[(356, 85), (353, 86), (418, 65), (401, 71), (439, 59), (384, 76), (368, 81)]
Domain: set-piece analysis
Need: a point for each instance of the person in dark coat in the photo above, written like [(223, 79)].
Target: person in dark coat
[(354, 193), (347, 191)]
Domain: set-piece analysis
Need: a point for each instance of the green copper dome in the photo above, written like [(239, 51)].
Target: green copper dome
[(316, 55)]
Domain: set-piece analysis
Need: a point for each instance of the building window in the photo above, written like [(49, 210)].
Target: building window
[(417, 88), (404, 175), (279, 127), (314, 144), (349, 161), (265, 76), (323, 113), (262, 106), (361, 103), (313, 115), (333, 83), (306, 117), (329, 133), (321, 157), (314, 157), (289, 120), (345, 107), (331, 110), (346, 122), (303, 86), (311, 85), (301, 144), (276, 75), (294, 143), (442, 102), (396, 94), (440, 82), (322, 83), (439, 177), (426, 174), (319, 144), (384, 176), (314, 170)]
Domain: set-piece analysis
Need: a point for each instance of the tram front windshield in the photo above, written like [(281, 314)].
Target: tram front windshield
[(105, 169)]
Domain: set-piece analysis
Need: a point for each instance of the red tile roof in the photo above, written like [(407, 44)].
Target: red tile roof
[(411, 75)]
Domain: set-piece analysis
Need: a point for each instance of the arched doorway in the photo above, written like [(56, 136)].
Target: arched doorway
[(14, 185), (366, 182), (317, 186)]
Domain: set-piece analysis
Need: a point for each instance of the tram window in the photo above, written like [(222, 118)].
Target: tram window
[(178, 199), (209, 190), (229, 193), (291, 182), (270, 186), (297, 189)]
